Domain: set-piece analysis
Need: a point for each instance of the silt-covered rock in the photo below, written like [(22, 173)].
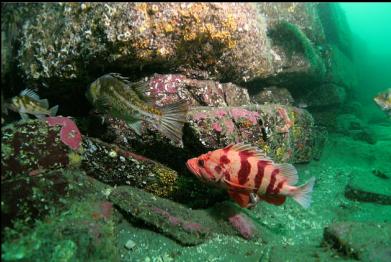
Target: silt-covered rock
[(372, 187), (361, 241), (187, 226)]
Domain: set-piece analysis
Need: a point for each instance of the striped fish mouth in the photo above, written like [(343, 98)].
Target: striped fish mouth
[(190, 165)]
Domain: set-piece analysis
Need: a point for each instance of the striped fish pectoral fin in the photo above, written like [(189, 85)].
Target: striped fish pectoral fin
[(250, 149), (243, 199), (30, 93), (274, 199), (289, 172), (302, 194), (53, 110), (172, 120), (238, 187)]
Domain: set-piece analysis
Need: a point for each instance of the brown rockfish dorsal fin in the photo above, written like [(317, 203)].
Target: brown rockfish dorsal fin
[(44, 103), (30, 93), (141, 88), (250, 149)]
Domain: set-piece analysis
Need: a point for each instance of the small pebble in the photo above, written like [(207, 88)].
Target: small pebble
[(130, 244)]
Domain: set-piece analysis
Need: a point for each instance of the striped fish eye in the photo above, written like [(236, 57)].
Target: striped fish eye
[(201, 163)]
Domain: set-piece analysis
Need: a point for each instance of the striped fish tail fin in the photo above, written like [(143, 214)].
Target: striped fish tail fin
[(302, 194), (173, 119)]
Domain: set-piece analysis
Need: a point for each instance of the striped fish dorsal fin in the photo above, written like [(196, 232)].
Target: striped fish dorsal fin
[(30, 93), (251, 149), (289, 172)]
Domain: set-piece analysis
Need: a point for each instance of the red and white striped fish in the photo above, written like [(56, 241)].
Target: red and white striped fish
[(249, 175)]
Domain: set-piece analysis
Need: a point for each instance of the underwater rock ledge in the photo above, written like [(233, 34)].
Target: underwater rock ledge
[(285, 133), (33, 147)]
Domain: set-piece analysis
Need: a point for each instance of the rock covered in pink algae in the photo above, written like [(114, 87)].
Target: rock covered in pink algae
[(167, 89), (69, 134), (243, 225)]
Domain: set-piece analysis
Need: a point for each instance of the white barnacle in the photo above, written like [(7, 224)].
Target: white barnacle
[(275, 55), (113, 154), (106, 192)]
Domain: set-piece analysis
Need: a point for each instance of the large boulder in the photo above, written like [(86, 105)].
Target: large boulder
[(223, 41), (217, 40)]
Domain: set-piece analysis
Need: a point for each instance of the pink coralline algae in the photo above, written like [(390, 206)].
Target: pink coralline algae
[(217, 127), (238, 113), (287, 122), (106, 209), (245, 227), (69, 134), (199, 116), (229, 126), (220, 113), (186, 225), (165, 84)]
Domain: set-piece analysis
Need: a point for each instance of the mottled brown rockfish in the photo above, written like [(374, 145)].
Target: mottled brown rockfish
[(115, 95)]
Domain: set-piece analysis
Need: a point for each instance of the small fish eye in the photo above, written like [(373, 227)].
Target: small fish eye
[(201, 162)]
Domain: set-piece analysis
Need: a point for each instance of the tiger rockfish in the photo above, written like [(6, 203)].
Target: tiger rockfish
[(249, 175), (115, 95), (28, 102)]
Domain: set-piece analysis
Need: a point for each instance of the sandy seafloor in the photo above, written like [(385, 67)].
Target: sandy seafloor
[(342, 159)]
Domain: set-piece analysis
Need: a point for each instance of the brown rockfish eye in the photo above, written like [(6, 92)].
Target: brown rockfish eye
[(201, 163)]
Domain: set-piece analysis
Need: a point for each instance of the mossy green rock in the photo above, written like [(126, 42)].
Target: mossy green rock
[(186, 226), (77, 234), (370, 187), (302, 253), (361, 241)]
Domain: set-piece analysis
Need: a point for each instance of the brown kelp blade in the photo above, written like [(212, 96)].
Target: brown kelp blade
[(173, 119)]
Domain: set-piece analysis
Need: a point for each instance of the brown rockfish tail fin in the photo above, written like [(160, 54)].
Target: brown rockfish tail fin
[(173, 119), (53, 110)]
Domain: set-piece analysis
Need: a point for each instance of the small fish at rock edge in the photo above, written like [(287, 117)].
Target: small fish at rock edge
[(383, 100), (28, 102)]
